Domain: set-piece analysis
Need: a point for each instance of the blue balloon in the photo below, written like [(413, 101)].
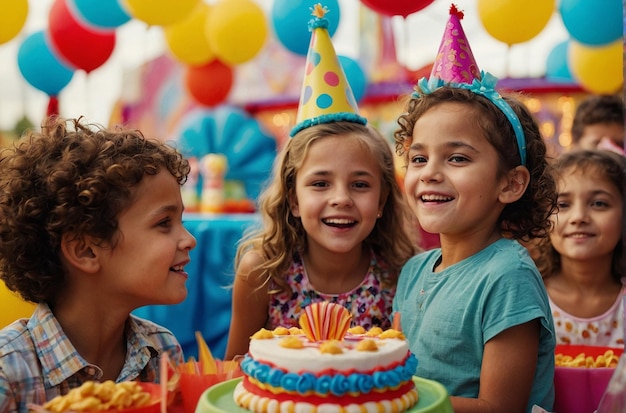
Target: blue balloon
[(355, 75), (290, 21), (249, 149), (557, 66), (593, 22), (100, 14), (40, 67)]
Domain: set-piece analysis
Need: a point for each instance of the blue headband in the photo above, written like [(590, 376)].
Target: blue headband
[(487, 88)]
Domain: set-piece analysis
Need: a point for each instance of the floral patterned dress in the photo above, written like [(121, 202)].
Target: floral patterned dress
[(370, 303)]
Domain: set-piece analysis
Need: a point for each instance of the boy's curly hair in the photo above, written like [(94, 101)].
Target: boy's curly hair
[(527, 218), (70, 178)]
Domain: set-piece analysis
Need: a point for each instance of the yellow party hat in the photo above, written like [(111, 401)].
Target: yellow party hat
[(326, 95)]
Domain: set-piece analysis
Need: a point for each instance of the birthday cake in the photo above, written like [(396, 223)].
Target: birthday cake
[(326, 367)]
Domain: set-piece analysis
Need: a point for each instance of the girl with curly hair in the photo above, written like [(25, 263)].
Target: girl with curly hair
[(334, 229), (475, 311)]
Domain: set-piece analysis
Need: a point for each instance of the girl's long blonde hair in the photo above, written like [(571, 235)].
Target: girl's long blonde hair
[(282, 234)]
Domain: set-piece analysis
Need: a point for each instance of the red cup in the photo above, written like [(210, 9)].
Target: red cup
[(192, 386), (580, 389)]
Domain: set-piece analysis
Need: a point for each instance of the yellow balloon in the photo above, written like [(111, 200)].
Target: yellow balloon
[(515, 21), (597, 69), (12, 18), (160, 12), (12, 307), (237, 30), (187, 39)]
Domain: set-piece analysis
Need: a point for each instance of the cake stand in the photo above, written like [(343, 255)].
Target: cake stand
[(433, 398)]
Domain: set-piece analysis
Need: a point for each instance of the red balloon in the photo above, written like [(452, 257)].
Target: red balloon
[(210, 84), (396, 8), (79, 46)]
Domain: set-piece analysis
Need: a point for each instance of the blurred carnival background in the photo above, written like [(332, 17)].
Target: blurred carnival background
[(150, 63)]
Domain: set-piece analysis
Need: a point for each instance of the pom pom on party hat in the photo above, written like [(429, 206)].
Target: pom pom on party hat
[(326, 95), (455, 61)]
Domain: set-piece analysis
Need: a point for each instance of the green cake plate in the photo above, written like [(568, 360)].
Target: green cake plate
[(433, 398)]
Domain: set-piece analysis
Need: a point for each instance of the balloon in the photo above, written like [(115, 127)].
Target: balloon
[(33, 55), (76, 44), (12, 306), (12, 18), (236, 30), (210, 84), (592, 22), (187, 40), (99, 14), (515, 21), (597, 69), (290, 22), (355, 75), (250, 150), (160, 12), (557, 68), (396, 8)]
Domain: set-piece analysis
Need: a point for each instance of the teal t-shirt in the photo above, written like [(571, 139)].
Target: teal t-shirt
[(448, 316)]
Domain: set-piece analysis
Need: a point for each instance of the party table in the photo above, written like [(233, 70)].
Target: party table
[(207, 307)]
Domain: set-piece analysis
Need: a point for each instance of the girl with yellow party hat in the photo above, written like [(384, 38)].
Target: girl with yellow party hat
[(334, 220), (475, 311)]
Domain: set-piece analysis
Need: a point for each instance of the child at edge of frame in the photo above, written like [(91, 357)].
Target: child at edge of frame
[(90, 229)]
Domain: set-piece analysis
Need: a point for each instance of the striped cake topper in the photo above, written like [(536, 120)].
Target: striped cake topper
[(326, 95)]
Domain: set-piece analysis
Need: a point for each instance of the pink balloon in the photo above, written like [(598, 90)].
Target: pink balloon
[(81, 47)]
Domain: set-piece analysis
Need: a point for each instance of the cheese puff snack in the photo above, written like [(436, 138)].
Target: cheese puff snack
[(94, 396), (608, 359)]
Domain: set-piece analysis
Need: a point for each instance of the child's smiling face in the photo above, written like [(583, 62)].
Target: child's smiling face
[(146, 263), (338, 193), (452, 180)]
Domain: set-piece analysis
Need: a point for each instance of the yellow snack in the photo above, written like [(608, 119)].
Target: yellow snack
[(374, 332), (281, 331), (291, 342), (95, 396), (356, 330), (391, 333), (367, 345), (607, 359), (262, 334), (331, 347)]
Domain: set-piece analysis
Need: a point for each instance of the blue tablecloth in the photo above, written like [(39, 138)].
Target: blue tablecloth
[(207, 307)]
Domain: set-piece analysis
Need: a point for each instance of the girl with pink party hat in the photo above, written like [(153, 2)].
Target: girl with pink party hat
[(475, 311)]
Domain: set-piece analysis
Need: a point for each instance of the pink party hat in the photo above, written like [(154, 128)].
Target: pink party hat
[(455, 60), (455, 67), (326, 95)]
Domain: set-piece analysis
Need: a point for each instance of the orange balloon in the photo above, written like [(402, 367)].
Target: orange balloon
[(515, 21), (597, 69), (187, 39), (210, 84)]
